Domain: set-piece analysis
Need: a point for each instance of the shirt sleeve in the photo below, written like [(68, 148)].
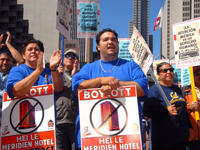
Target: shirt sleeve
[(79, 77), (139, 77), (14, 76)]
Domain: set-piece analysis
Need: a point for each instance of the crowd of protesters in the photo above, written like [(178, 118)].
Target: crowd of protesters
[(172, 127)]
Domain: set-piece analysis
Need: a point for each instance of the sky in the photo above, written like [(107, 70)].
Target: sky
[(115, 14)]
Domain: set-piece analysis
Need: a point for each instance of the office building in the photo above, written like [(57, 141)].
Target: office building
[(141, 21), (82, 41), (42, 23), (42, 19), (140, 18), (176, 11), (11, 19)]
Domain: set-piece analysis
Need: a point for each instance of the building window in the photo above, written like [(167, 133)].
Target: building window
[(12, 7)]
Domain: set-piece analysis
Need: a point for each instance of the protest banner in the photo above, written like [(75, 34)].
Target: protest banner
[(123, 49), (177, 73), (28, 122), (71, 44), (140, 51), (107, 122), (88, 18), (185, 76), (156, 63), (63, 17), (187, 48), (187, 43)]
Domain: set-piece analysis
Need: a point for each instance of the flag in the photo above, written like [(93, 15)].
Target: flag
[(158, 21)]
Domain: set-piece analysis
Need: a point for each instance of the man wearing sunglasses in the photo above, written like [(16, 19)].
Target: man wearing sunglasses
[(66, 108), (192, 106)]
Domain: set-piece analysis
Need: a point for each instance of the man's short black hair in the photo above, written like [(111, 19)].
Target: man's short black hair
[(105, 30), (101, 32), (32, 40)]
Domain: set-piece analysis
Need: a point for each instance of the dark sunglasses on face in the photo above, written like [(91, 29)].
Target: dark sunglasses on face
[(197, 74), (166, 70), (72, 56)]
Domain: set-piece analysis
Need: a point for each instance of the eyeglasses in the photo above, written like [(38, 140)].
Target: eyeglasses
[(166, 70), (197, 74), (72, 56)]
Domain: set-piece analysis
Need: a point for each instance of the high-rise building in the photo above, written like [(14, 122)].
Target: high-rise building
[(141, 22), (176, 11), (130, 28), (42, 23), (140, 18), (82, 41), (11, 19), (42, 19)]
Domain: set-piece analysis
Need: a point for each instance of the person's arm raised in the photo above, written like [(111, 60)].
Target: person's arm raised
[(56, 76), (1, 38), (23, 86), (75, 67), (16, 55)]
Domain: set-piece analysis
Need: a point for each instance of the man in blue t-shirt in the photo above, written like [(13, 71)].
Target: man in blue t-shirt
[(109, 73)]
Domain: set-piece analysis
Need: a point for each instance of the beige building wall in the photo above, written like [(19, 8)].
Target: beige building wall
[(176, 11), (172, 13), (42, 23)]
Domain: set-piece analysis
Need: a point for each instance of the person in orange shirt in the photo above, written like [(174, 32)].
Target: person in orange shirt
[(192, 106)]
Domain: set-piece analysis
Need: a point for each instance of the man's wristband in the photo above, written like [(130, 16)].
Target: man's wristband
[(53, 70)]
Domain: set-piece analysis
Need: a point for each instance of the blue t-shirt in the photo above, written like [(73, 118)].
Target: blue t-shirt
[(18, 73), (124, 71)]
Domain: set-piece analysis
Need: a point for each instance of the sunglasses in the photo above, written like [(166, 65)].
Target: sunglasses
[(72, 56), (197, 74), (166, 70)]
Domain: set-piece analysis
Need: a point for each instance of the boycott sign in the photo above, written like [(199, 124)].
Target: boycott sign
[(25, 123), (63, 17), (107, 122), (88, 18), (140, 51), (187, 43), (123, 49)]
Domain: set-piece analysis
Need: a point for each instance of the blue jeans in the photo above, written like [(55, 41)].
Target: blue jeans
[(65, 136)]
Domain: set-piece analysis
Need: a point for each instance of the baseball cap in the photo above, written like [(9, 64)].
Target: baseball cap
[(71, 51), (196, 68)]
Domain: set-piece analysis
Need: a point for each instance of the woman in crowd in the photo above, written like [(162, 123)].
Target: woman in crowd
[(23, 77), (170, 124), (192, 106)]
